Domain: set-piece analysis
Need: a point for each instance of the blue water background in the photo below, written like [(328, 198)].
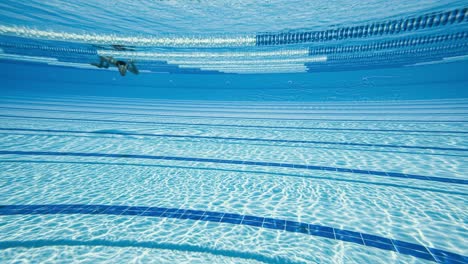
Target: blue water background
[(438, 81)]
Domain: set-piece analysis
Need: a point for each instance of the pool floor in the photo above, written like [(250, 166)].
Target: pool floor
[(166, 181)]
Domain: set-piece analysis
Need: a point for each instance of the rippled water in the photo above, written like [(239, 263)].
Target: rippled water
[(255, 132), (237, 37), (206, 17), (419, 211)]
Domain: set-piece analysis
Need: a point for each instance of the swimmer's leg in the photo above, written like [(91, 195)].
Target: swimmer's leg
[(132, 68), (122, 69)]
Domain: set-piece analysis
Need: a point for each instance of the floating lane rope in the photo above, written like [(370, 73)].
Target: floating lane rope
[(392, 44), (142, 55), (186, 41), (425, 21)]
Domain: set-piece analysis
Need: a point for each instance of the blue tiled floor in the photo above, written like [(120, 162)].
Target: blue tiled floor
[(383, 243)]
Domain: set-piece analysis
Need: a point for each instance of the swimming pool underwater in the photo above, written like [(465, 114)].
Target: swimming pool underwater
[(350, 147), (119, 179)]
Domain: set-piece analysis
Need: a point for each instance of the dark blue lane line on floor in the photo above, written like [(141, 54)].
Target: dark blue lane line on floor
[(251, 143), (363, 239), (231, 138), (238, 162), (238, 126), (256, 172)]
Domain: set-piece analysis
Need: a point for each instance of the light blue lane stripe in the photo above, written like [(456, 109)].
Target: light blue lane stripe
[(369, 240), (230, 125), (124, 104), (239, 162), (146, 244), (233, 138), (340, 113), (264, 110)]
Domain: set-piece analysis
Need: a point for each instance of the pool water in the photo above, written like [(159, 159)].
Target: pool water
[(338, 139)]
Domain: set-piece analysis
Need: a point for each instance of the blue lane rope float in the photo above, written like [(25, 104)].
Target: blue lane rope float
[(392, 27), (241, 126), (391, 44), (54, 49), (291, 141)]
